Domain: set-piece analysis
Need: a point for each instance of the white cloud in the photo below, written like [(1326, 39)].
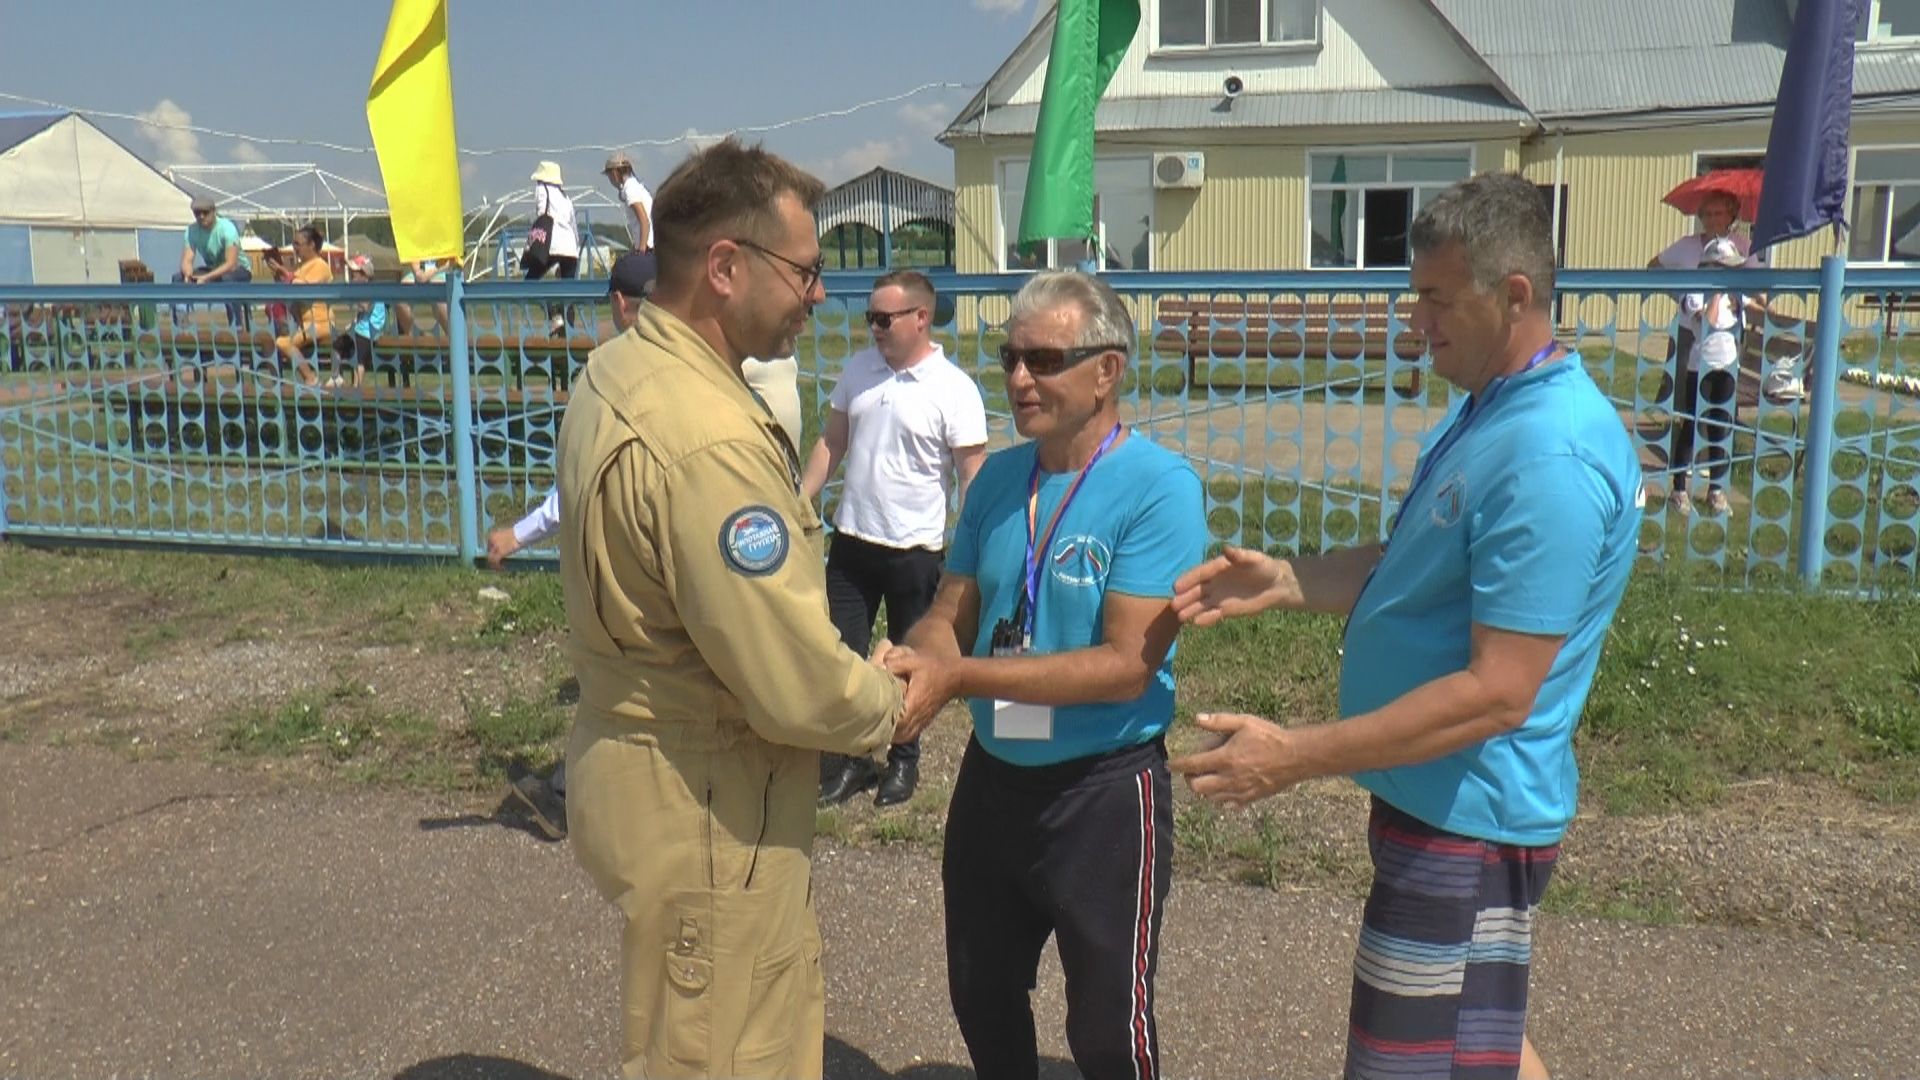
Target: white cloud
[(855, 160), (1000, 7), (928, 117), (249, 153), (164, 127)]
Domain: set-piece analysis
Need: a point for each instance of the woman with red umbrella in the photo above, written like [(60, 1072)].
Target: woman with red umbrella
[(1716, 199)]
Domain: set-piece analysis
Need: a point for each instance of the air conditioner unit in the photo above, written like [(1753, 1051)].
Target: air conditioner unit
[(1186, 169)]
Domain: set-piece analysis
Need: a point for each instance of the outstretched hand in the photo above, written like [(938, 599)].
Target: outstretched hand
[(1236, 582), (1251, 759)]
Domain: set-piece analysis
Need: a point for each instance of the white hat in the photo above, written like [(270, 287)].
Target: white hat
[(548, 173), (1721, 252)]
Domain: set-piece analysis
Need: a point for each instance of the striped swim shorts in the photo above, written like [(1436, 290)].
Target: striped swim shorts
[(1440, 977)]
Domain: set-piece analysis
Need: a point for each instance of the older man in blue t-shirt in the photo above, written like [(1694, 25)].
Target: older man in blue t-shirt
[(1472, 638), (1055, 618)]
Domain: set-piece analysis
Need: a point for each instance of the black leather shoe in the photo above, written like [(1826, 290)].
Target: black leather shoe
[(855, 776), (897, 783)]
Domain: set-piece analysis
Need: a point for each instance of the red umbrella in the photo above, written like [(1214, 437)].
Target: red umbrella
[(1741, 184)]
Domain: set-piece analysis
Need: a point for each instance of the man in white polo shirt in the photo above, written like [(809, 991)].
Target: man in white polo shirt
[(906, 420)]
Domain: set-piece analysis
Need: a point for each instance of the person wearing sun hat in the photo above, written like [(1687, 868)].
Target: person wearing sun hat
[(563, 241), (634, 196)]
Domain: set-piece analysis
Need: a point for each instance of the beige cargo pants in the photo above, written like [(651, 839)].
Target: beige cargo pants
[(708, 855)]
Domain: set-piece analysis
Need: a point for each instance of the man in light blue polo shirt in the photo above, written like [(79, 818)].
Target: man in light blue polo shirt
[(212, 254), (1055, 618), (1472, 639)]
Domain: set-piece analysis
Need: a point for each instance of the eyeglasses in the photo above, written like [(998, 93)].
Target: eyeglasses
[(809, 274), (881, 320), (1046, 360)]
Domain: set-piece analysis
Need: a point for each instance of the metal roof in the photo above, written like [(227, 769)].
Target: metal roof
[(18, 127), (1333, 108), (1578, 58), (881, 198)]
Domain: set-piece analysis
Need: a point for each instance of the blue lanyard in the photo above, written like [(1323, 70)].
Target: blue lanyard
[(1030, 594), (1476, 406)]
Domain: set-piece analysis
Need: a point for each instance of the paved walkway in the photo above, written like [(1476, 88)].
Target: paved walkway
[(168, 919)]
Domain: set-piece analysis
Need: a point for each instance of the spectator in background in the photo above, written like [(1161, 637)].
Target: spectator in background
[(313, 323), (212, 253), (369, 322), (422, 272), (1706, 382), (905, 420), (630, 193), (563, 241)]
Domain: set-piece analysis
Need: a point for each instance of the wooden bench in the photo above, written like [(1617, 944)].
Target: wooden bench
[(1286, 328), (1892, 304)]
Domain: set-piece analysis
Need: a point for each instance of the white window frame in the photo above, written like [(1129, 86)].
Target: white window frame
[(1262, 46), (1360, 222), (1001, 241), (1758, 151), (1871, 10), (1853, 173)]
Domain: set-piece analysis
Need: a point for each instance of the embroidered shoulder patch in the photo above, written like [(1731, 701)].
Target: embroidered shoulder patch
[(754, 541)]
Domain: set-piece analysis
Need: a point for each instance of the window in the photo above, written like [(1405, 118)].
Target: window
[(1361, 205), (1889, 21), (1122, 212), (1203, 24), (1886, 206), (1706, 163)]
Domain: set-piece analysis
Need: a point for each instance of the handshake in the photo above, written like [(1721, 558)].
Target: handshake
[(931, 682)]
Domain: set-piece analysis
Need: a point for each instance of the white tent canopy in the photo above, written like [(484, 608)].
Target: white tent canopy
[(71, 173)]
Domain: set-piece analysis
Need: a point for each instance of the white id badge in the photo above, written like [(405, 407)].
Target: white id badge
[(1018, 720)]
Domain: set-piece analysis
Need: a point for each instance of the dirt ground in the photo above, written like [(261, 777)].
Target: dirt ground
[(171, 908)]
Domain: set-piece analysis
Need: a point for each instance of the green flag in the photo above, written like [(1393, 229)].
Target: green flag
[(1089, 37)]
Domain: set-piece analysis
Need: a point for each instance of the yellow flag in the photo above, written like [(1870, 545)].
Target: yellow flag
[(410, 111)]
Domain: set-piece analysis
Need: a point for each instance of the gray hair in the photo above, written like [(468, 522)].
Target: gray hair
[(1503, 224), (1106, 320)]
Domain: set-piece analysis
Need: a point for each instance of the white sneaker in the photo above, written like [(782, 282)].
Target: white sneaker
[(1717, 502), (558, 326), (1678, 502)]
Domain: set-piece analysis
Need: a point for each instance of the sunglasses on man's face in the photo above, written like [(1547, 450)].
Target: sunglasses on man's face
[(881, 320), (1045, 360)]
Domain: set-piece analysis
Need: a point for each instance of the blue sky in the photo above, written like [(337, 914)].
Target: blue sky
[(545, 74)]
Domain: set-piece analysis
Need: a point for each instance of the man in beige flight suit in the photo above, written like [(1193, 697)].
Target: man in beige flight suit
[(710, 676)]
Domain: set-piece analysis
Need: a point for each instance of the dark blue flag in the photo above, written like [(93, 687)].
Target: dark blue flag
[(1806, 168)]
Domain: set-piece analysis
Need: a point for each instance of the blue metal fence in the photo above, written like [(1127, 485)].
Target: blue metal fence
[(138, 413)]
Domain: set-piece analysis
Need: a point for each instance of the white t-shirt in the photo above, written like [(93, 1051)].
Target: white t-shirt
[(1716, 344), (1684, 253), (903, 428), (633, 191), (777, 382), (565, 242)]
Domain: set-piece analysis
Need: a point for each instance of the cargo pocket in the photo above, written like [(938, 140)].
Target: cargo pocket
[(685, 1030), (784, 1006)]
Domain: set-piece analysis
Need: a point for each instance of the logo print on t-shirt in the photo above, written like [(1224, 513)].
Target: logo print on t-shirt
[(1081, 560), (1450, 501)]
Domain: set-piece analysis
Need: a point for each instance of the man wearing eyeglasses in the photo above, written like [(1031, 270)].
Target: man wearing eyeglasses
[(1055, 619), (212, 253), (904, 419), (710, 675)]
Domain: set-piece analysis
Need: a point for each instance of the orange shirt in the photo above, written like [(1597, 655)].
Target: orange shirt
[(317, 317)]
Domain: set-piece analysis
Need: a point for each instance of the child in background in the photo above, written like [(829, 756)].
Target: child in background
[(369, 322)]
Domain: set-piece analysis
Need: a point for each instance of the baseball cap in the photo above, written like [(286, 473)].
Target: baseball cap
[(360, 263), (633, 274), (202, 203), (617, 160), (1720, 251)]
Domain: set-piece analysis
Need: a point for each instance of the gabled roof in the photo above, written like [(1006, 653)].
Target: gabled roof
[(882, 198), (18, 127), (1568, 59), (1038, 38)]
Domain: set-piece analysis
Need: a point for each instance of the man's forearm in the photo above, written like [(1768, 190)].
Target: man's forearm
[(1330, 583), (1083, 676), (1428, 722)]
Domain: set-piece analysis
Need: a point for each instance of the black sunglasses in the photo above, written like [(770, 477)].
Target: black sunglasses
[(809, 274), (1047, 360), (880, 320)]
